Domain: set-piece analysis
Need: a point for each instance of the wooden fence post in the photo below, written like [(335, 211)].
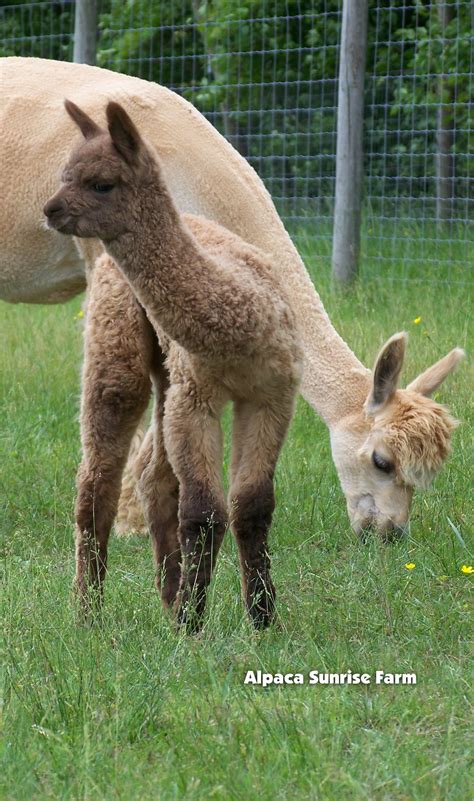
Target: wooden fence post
[(445, 131), (350, 153), (85, 31)]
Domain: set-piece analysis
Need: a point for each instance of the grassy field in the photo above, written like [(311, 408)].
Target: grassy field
[(135, 710)]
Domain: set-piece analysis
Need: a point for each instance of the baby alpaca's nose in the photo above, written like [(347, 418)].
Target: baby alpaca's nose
[(54, 206)]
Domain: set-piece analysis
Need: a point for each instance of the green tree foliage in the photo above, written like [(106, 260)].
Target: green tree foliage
[(43, 29), (155, 40), (416, 66), (271, 68)]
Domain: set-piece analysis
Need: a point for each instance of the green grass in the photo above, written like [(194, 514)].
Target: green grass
[(132, 709)]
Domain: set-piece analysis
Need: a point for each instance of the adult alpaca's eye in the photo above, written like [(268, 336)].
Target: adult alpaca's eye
[(102, 189), (381, 463)]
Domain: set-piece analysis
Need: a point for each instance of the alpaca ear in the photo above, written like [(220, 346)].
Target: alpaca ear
[(429, 381), (87, 126), (387, 370), (123, 132)]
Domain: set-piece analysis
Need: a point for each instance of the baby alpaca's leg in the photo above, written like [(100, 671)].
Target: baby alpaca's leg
[(158, 491), (258, 435), (116, 389), (193, 439)]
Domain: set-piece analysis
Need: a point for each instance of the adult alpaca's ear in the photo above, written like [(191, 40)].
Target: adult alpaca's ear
[(387, 369), (88, 127), (429, 381), (123, 132)]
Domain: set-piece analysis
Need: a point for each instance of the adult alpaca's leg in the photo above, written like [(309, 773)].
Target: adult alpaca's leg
[(258, 435), (158, 491), (119, 343), (193, 439), (130, 519)]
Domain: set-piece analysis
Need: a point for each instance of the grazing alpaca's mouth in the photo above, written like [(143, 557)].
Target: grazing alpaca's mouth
[(390, 533)]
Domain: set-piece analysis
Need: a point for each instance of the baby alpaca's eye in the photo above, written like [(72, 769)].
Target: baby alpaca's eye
[(101, 189), (381, 463)]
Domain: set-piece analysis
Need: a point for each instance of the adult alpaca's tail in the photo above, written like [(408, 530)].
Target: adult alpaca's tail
[(130, 521)]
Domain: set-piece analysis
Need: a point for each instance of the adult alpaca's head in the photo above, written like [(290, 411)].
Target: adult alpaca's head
[(104, 179), (397, 442)]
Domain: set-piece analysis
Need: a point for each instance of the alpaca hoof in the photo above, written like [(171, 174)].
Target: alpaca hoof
[(189, 619), (261, 618), (167, 582), (89, 605), (168, 593), (189, 612), (261, 606)]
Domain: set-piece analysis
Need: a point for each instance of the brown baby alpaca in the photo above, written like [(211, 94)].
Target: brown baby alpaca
[(227, 332)]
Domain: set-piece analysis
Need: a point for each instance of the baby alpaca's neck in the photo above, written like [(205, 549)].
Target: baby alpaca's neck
[(166, 267)]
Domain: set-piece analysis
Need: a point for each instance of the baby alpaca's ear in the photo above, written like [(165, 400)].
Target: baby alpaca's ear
[(87, 126), (123, 132)]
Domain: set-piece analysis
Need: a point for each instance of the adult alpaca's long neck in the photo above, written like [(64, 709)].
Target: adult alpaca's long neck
[(335, 382)]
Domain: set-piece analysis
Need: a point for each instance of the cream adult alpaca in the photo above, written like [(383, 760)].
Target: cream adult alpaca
[(230, 334), (206, 176)]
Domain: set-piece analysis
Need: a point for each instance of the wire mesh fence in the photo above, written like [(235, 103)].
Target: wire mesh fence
[(265, 73)]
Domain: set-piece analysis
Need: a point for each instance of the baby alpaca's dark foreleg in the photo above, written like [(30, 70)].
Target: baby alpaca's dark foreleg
[(193, 440), (115, 393), (258, 436)]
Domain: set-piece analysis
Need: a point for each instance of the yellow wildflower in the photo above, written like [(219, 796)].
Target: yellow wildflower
[(467, 569), (79, 315), (410, 565), (417, 321)]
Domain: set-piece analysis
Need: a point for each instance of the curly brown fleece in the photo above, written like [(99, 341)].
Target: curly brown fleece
[(228, 334)]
